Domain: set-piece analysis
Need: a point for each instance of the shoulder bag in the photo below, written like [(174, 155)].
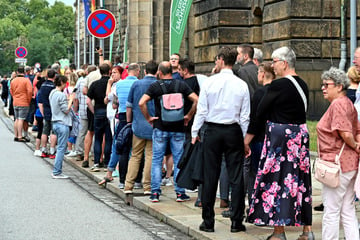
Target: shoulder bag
[(326, 172), (301, 92)]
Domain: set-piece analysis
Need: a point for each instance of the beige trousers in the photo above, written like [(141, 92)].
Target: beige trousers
[(139, 147)]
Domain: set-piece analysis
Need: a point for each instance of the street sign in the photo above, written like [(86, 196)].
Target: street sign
[(20, 60), (101, 23), (20, 52)]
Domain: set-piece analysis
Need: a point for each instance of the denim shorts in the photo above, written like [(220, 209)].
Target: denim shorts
[(47, 128), (21, 112)]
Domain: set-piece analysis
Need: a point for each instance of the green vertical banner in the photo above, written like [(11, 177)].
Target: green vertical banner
[(179, 13)]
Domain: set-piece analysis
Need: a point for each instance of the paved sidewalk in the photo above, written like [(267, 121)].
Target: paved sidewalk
[(187, 218)]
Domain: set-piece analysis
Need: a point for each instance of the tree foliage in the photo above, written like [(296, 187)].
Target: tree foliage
[(46, 31)]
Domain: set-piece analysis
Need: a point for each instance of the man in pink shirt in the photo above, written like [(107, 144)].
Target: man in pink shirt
[(21, 91)]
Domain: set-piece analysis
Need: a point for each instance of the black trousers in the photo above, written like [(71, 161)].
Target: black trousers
[(228, 140)]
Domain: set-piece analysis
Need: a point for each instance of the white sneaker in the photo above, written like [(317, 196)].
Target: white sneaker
[(59, 176), (166, 182), (72, 154), (191, 191), (37, 153), (121, 185)]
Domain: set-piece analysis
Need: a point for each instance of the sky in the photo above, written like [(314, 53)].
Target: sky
[(67, 2)]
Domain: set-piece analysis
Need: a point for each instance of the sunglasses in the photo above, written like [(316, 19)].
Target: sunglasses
[(326, 85)]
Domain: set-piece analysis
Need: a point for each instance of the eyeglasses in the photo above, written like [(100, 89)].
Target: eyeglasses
[(275, 61), (326, 85), (174, 59)]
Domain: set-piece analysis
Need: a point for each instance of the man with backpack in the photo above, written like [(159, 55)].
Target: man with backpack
[(169, 124)]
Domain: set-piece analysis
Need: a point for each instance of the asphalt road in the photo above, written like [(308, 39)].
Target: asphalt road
[(35, 206)]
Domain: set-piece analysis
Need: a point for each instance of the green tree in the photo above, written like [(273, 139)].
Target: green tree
[(46, 31)]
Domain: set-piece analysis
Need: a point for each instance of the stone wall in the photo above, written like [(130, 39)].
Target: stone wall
[(310, 27)]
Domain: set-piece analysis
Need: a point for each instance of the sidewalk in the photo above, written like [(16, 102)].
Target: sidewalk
[(187, 218)]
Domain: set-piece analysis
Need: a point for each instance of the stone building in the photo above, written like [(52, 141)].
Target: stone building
[(310, 27)]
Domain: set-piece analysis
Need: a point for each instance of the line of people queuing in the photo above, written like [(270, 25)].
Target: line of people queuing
[(252, 126)]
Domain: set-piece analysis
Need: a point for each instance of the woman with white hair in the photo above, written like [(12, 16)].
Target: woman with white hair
[(282, 189), (339, 127)]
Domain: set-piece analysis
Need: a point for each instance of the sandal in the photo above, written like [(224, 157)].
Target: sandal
[(105, 181), (307, 236), (19, 140), (280, 236)]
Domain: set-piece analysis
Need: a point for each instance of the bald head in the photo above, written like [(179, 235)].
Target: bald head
[(165, 70)]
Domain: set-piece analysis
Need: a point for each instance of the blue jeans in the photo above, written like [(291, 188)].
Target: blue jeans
[(62, 133), (160, 141), (101, 127), (115, 158)]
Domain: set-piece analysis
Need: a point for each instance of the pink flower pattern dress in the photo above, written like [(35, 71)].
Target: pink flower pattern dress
[(282, 191)]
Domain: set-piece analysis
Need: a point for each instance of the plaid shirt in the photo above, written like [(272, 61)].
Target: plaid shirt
[(81, 97)]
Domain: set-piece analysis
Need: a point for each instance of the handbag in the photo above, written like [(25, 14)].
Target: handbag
[(326, 172)]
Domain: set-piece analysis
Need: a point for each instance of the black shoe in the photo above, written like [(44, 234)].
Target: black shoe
[(203, 228), (237, 227), (319, 208), (226, 213), (27, 139), (85, 164)]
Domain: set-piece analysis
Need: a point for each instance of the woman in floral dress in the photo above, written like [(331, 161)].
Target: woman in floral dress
[(282, 190)]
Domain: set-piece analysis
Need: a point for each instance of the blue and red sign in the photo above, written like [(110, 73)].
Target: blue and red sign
[(20, 52), (101, 23)]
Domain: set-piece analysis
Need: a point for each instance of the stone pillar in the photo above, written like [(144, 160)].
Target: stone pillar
[(140, 46)]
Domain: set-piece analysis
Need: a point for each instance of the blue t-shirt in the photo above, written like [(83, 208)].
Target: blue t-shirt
[(176, 75), (44, 93), (141, 128), (122, 91)]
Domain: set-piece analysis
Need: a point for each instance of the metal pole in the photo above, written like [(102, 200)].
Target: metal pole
[(353, 30), (78, 35), (343, 50), (102, 40), (119, 27)]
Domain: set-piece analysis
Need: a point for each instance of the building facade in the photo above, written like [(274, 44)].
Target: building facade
[(310, 27)]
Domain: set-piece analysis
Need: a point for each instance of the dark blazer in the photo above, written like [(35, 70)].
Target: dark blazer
[(191, 166)]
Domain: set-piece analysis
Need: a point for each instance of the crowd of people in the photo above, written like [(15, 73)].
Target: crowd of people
[(249, 115)]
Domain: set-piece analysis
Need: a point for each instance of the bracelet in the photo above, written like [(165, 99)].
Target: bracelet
[(101, 55)]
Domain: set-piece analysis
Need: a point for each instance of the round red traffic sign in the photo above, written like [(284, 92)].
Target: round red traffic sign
[(101, 23), (20, 52)]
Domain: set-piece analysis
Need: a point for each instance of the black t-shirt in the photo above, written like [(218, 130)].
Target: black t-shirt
[(257, 125), (193, 83), (97, 92), (5, 88), (282, 102), (155, 92), (351, 94)]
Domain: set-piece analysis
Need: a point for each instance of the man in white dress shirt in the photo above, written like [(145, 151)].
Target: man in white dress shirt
[(223, 109)]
